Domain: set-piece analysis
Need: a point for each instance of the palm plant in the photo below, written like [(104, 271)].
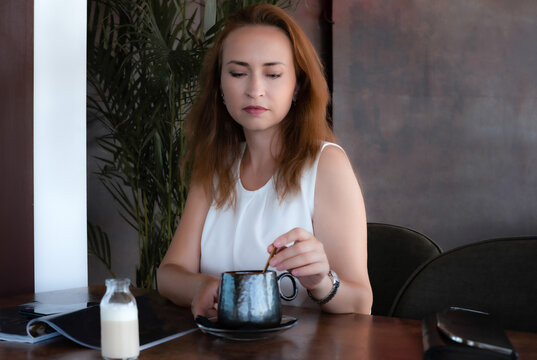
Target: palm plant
[(143, 60)]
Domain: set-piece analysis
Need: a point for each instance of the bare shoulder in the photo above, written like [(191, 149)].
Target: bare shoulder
[(333, 153), (337, 191), (196, 208), (198, 195), (335, 167)]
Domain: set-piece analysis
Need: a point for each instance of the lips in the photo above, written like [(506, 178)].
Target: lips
[(255, 110)]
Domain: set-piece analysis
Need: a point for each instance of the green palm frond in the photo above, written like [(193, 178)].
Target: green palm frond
[(99, 246)]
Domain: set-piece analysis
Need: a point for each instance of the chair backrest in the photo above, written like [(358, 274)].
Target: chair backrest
[(498, 276), (393, 253)]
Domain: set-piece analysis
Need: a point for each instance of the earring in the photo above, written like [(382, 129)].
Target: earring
[(223, 100)]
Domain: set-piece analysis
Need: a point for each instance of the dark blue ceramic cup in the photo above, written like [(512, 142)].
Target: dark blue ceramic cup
[(252, 299)]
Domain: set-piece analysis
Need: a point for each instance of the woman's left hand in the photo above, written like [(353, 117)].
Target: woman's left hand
[(305, 258)]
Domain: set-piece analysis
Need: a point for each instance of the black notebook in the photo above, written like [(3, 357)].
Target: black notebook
[(461, 334), (159, 321)]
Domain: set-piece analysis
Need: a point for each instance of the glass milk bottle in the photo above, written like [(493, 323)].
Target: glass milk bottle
[(119, 321)]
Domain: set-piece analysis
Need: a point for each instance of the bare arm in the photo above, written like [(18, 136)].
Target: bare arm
[(340, 241), (178, 276), (340, 224)]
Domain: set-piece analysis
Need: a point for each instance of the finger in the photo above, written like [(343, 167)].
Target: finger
[(204, 304), (296, 234), (297, 249), (272, 247), (195, 311), (206, 311), (300, 260), (199, 309), (211, 313)]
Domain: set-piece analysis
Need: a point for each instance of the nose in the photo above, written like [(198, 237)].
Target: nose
[(255, 87)]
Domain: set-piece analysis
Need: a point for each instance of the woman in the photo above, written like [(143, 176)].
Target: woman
[(265, 174)]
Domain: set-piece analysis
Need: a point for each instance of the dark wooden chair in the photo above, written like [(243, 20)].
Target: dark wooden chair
[(498, 276), (394, 252)]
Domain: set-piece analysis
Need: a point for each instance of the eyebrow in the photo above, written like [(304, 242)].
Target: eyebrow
[(242, 63)]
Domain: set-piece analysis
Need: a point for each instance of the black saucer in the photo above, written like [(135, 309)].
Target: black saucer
[(210, 326)]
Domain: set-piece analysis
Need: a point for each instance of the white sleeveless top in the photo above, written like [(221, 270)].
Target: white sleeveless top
[(237, 239)]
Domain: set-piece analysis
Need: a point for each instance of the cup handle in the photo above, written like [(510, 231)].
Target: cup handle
[(293, 281)]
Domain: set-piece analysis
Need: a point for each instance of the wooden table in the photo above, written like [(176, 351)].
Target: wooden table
[(316, 336)]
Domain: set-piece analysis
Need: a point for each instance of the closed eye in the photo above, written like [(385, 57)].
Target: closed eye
[(274, 76), (237, 74)]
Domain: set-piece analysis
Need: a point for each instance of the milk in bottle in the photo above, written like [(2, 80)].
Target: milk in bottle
[(119, 321)]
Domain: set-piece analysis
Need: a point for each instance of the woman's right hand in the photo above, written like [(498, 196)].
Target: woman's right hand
[(205, 300)]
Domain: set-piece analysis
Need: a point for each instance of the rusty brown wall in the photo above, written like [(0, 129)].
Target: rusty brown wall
[(436, 104), (16, 147)]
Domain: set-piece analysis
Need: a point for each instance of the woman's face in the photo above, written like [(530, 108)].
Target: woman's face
[(258, 77)]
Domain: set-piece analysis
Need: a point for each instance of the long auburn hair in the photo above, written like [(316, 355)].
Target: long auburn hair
[(214, 138)]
